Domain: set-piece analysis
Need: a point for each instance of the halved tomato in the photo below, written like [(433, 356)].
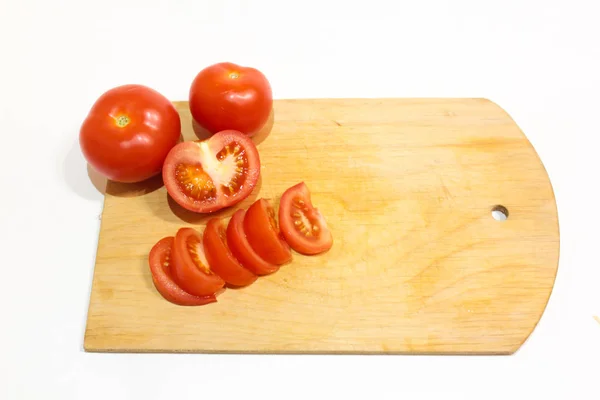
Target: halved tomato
[(160, 267), (302, 225), (241, 249), (220, 259), (263, 233), (208, 175), (190, 269)]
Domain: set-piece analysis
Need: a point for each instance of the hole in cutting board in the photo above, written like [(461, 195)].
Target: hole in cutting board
[(500, 213)]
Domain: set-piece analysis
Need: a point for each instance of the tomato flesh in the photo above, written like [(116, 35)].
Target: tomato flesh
[(263, 233), (302, 225), (241, 249), (195, 183), (128, 132), (160, 268), (190, 268), (220, 258), (206, 176), (229, 96)]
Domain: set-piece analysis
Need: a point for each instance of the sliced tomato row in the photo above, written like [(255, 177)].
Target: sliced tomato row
[(193, 268)]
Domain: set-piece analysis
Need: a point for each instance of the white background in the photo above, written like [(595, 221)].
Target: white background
[(539, 60)]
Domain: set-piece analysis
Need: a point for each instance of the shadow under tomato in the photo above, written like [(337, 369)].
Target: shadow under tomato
[(229, 286), (265, 131), (203, 134), (119, 189), (98, 180), (194, 218), (77, 175), (147, 275)]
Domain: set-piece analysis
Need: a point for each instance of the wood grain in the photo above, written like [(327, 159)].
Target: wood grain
[(418, 265)]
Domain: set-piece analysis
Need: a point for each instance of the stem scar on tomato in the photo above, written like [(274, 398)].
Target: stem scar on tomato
[(122, 121)]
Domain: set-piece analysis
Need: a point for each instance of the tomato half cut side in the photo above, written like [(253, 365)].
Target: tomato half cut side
[(190, 268), (263, 234), (220, 258), (208, 175), (160, 267), (302, 225), (241, 249)]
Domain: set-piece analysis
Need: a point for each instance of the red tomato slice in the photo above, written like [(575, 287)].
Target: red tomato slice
[(220, 259), (206, 176), (302, 225), (160, 267), (241, 249), (263, 233), (190, 268)]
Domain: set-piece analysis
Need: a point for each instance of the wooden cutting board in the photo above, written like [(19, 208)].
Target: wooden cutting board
[(419, 265)]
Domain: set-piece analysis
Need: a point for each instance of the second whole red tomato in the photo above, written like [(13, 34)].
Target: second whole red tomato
[(229, 96), (129, 132)]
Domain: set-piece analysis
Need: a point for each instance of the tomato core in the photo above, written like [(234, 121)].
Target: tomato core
[(235, 164)]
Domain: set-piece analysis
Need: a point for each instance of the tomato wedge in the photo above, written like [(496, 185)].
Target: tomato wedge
[(263, 233), (208, 175), (190, 269), (160, 267), (219, 257), (241, 249), (302, 225)]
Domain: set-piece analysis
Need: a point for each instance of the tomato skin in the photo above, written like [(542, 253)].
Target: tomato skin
[(219, 257), (229, 96), (241, 249), (302, 225), (194, 278), (159, 262), (136, 150), (203, 155), (263, 233)]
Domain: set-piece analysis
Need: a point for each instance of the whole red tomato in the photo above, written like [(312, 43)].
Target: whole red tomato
[(226, 96), (129, 132)]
